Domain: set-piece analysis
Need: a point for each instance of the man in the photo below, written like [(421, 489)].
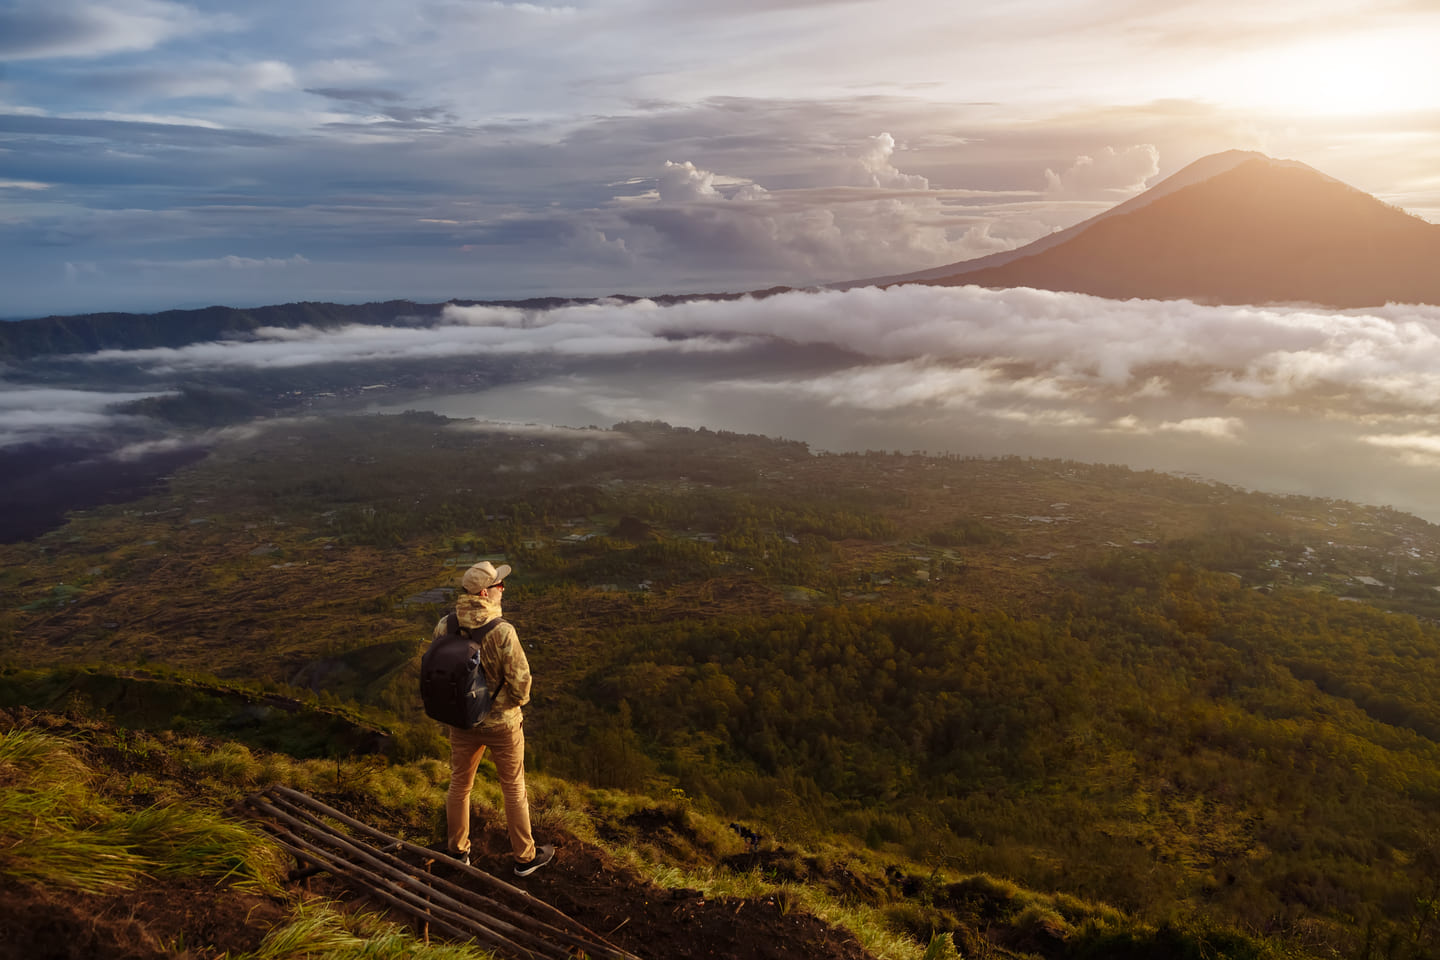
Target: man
[(501, 731)]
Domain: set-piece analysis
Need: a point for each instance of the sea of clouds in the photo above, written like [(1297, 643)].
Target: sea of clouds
[(1290, 398)]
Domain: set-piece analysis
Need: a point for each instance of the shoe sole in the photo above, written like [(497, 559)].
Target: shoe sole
[(535, 865)]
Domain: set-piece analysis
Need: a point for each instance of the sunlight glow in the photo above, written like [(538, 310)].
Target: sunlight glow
[(1389, 71)]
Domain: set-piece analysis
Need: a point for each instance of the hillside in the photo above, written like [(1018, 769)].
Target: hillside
[(1189, 703), (1253, 231), (159, 863), (223, 888)]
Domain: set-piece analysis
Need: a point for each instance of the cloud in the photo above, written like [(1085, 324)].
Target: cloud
[(681, 182), (75, 270), (228, 262), (29, 414), (1052, 343), (153, 131), (366, 95), (1021, 354), (535, 9), (1386, 355), (878, 220), (1414, 449), (197, 79), (591, 439), (1224, 428), (1108, 175), (33, 30), (144, 449), (595, 247), (874, 169), (36, 29), (893, 386), (381, 105), (150, 445), (577, 332)]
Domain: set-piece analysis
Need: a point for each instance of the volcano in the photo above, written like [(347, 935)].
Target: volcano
[(1233, 228)]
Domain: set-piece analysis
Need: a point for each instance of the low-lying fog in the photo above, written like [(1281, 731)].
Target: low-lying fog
[(1287, 399)]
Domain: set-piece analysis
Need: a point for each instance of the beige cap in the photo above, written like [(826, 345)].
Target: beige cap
[(483, 575)]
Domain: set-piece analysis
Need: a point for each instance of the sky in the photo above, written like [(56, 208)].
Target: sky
[(157, 154), (1324, 403)]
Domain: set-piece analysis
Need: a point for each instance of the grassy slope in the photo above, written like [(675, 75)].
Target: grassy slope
[(150, 827)]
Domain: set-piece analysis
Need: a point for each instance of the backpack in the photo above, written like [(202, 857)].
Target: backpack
[(453, 685)]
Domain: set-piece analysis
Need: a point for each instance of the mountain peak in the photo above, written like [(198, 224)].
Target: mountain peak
[(1232, 227)]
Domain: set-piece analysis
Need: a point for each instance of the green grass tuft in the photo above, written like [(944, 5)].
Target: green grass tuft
[(183, 841), (319, 932), (56, 831)]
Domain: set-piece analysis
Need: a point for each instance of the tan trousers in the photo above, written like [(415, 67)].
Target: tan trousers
[(507, 750)]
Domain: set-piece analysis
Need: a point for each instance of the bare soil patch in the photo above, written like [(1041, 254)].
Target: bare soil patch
[(653, 922), (166, 919)]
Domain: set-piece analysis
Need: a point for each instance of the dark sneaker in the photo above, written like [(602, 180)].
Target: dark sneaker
[(543, 855), (461, 858)]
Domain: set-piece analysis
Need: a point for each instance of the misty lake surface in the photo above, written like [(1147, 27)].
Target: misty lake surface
[(1280, 454)]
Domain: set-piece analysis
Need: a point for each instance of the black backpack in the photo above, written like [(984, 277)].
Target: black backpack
[(453, 686)]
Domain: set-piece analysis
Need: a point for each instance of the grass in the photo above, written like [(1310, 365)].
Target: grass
[(177, 840), (320, 932), (56, 830), (41, 761)]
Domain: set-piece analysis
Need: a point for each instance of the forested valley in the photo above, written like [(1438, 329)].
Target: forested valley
[(1211, 708)]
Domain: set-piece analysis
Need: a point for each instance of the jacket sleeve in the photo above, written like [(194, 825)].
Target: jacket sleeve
[(513, 666)]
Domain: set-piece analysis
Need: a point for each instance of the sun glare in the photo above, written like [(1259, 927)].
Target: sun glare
[(1380, 72)]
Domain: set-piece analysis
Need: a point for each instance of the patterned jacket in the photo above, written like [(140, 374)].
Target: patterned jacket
[(502, 657)]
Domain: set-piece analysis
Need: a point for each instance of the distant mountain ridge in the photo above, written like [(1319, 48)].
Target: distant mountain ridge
[(89, 332), (1233, 228)]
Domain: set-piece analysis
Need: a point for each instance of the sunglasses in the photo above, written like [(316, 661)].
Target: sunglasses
[(499, 584)]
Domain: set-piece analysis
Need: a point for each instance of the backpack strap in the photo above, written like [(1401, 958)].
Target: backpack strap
[(473, 634)]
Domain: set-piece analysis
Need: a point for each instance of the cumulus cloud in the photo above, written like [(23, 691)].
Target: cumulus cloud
[(873, 168), (1108, 175), (875, 220), (685, 182), (682, 182)]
